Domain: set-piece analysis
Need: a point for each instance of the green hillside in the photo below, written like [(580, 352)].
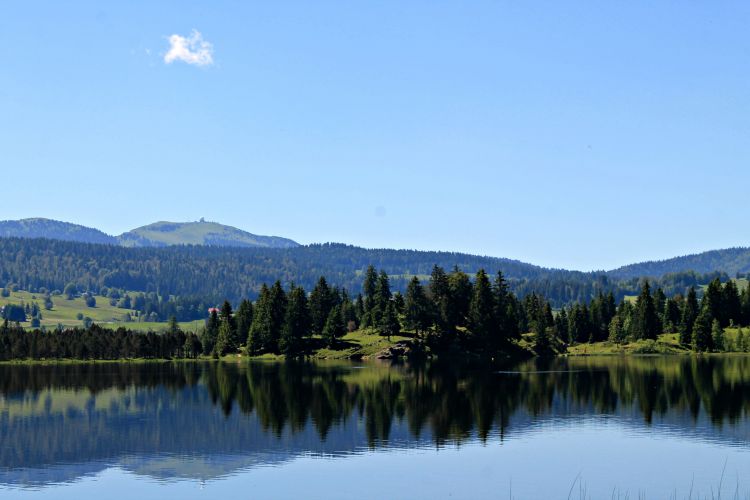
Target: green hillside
[(199, 233), (66, 312)]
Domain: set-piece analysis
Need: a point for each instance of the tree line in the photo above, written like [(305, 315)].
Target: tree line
[(180, 280)]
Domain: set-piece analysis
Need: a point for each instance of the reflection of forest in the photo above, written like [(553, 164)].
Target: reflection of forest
[(59, 414)]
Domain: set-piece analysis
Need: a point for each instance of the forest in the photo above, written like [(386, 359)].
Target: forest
[(453, 314), (182, 281)]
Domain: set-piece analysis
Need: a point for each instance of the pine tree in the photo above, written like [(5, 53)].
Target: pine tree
[(389, 325), (713, 300), (244, 320), (732, 307), (382, 297), (440, 294), (261, 325), (297, 321), (481, 320), (646, 322), (702, 331), (368, 288), (334, 327), (460, 292), (321, 302), (226, 340), (417, 315), (210, 333), (689, 314)]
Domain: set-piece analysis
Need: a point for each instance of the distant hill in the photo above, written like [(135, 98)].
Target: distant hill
[(54, 230), (730, 261), (161, 234)]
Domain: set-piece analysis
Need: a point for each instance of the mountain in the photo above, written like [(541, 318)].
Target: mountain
[(730, 261), (55, 230), (161, 234)]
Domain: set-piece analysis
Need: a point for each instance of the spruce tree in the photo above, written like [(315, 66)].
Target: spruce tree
[(732, 307), (334, 327), (417, 315), (297, 321), (713, 300), (440, 294), (689, 314), (210, 333), (244, 320), (460, 292), (702, 331), (368, 289), (646, 322), (481, 320), (321, 302), (389, 324)]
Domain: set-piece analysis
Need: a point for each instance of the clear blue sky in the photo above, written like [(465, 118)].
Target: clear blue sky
[(580, 135)]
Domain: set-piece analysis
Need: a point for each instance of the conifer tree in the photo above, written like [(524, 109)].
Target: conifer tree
[(646, 323), (210, 333), (417, 315), (460, 292), (334, 327), (732, 308), (368, 288), (321, 302), (713, 300), (689, 314), (244, 318), (702, 331), (440, 294), (389, 324), (297, 322), (481, 320)]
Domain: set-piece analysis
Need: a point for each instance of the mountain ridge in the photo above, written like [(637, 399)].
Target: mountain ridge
[(157, 234)]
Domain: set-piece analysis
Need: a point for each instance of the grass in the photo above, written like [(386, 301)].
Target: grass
[(667, 343), (66, 312)]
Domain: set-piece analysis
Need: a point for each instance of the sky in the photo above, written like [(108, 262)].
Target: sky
[(582, 135)]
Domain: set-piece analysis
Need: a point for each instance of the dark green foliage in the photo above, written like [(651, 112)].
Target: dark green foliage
[(389, 325), (690, 312), (70, 291), (731, 306), (297, 322), (702, 331), (90, 300), (14, 312), (334, 327), (646, 322), (481, 314), (417, 308), (321, 302), (244, 318), (210, 333), (93, 342)]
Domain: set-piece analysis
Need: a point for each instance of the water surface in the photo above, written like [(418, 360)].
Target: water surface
[(609, 426)]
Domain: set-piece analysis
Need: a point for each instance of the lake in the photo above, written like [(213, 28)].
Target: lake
[(587, 427)]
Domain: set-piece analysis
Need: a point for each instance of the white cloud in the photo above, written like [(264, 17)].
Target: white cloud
[(191, 49)]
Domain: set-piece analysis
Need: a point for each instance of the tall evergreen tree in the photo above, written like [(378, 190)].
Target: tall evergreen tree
[(210, 333), (460, 292), (297, 321), (717, 336), (732, 307), (417, 315), (321, 302), (440, 294), (368, 288), (389, 324), (702, 331), (481, 320), (646, 322), (690, 312), (334, 327), (244, 318)]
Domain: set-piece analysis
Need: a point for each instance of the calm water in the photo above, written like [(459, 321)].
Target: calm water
[(605, 427)]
